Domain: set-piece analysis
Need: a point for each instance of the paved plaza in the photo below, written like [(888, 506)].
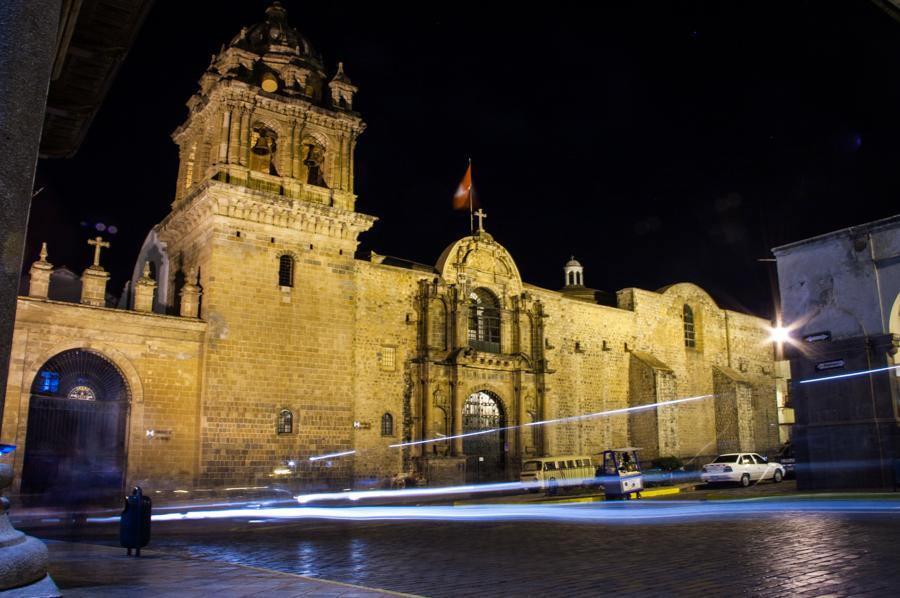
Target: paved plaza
[(647, 548)]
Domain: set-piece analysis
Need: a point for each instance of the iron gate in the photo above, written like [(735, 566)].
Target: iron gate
[(485, 454), (75, 442)]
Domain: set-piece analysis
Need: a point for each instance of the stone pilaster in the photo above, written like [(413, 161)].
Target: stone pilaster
[(190, 300), (39, 282), (144, 290), (93, 286)]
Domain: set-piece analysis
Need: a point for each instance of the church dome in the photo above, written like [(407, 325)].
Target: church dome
[(479, 256), (276, 36), (573, 263)]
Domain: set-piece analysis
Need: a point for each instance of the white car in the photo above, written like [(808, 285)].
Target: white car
[(742, 468)]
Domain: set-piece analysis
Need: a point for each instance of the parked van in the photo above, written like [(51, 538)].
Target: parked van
[(551, 473)]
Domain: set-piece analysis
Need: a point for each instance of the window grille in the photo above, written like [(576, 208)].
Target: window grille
[(387, 425), (388, 358), (285, 422), (484, 321), (286, 271), (690, 336)]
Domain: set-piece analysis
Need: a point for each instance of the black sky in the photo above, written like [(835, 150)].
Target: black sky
[(657, 142)]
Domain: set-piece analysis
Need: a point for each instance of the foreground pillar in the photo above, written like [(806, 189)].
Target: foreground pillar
[(23, 559), (28, 36)]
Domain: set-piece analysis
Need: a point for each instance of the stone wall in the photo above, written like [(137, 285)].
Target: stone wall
[(384, 373), (158, 356)]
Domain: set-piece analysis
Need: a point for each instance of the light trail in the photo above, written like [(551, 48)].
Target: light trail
[(848, 375), (356, 495), (625, 513), (332, 455), (560, 420)]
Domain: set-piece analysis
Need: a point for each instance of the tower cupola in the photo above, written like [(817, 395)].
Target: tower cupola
[(574, 273)]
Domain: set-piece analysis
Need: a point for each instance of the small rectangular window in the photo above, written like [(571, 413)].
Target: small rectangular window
[(286, 271), (387, 425), (285, 422), (387, 358)]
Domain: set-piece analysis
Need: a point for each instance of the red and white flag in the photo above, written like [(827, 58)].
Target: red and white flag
[(463, 196)]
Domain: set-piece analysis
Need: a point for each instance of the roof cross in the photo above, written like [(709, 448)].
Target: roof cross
[(98, 244), (481, 216)]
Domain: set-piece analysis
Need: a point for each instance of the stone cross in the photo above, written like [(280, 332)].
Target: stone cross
[(481, 216), (98, 244)]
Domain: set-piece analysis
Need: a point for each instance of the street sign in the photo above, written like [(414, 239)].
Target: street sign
[(817, 337), (829, 365)]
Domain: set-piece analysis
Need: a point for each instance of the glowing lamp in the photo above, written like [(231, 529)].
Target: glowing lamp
[(779, 334), (269, 82)]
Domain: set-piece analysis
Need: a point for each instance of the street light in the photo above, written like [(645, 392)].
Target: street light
[(779, 334)]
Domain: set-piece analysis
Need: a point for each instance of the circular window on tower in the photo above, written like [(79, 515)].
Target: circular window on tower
[(82, 393)]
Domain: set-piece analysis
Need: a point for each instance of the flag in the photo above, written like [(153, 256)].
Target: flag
[(463, 193)]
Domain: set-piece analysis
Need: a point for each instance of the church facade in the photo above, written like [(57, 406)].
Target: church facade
[(258, 346)]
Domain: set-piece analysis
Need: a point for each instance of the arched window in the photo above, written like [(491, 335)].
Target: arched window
[(315, 165), (484, 321), (387, 425), (690, 334), (286, 271), (285, 422)]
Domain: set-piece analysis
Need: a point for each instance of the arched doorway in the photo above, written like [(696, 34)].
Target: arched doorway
[(75, 442), (485, 450)]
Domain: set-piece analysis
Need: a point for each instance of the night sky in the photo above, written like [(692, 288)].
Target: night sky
[(657, 142)]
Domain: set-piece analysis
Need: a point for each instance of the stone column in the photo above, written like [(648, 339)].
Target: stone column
[(244, 137), (190, 299), (234, 136), (144, 290), (292, 154), (93, 286), (456, 408), (39, 276), (223, 135), (506, 332), (23, 559), (28, 45), (298, 154), (520, 416)]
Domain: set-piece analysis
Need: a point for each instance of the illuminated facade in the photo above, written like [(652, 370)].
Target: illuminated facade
[(258, 341)]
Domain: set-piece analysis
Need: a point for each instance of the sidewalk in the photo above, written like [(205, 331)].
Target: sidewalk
[(87, 570)]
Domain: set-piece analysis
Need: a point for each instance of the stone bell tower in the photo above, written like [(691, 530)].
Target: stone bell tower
[(263, 228), (269, 117)]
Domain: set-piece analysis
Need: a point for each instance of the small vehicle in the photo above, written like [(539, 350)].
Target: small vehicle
[(551, 473), (741, 468), (620, 473), (786, 458)]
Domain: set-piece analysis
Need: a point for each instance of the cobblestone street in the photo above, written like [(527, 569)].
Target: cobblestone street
[(784, 553)]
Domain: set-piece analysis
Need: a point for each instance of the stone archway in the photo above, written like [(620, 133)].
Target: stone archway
[(485, 449), (75, 443)]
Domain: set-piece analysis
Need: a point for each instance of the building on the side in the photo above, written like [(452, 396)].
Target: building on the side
[(258, 341), (840, 295)]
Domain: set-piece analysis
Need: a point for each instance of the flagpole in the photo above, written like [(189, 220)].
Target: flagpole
[(471, 213)]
